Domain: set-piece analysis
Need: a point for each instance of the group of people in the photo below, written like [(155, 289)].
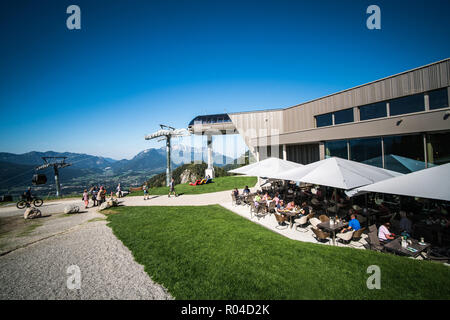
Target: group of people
[(98, 195), (146, 189)]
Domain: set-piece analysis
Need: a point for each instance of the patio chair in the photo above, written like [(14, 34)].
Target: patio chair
[(301, 222), (281, 221), (257, 211), (346, 237), (314, 222), (321, 236), (253, 209), (271, 208), (357, 240), (358, 234), (374, 242), (323, 218), (234, 201), (373, 228)]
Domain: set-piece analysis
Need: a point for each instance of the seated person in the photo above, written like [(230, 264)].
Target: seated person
[(236, 192), (384, 234), (290, 206), (405, 224), (266, 196), (257, 199), (280, 205), (276, 198), (246, 190), (304, 209), (353, 224)]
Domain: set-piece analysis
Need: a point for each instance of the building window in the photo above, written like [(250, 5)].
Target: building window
[(438, 99), (438, 148), (336, 148), (409, 104), (366, 151), (404, 154), (372, 111), (343, 116), (324, 120)]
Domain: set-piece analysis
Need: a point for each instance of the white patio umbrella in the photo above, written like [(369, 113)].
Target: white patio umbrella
[(337, 172), (431, 183), (266, 168)]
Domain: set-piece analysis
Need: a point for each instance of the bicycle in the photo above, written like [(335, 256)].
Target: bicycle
[(37, 202)]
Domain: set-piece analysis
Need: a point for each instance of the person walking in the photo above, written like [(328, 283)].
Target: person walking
[(99, 196), (119, 191), (94, 193), (172, 188), (145, 188), (103, 194), (86, 198)]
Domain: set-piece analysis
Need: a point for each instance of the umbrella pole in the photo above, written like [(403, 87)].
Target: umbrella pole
[(335, 202), (365, 196)]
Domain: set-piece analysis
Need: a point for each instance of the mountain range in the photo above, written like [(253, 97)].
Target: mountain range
[(16, 170)]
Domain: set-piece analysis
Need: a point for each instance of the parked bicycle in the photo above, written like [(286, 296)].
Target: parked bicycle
[(37, 202)]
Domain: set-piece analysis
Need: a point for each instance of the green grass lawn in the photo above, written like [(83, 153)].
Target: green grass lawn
[(219, 184), (211, 253)]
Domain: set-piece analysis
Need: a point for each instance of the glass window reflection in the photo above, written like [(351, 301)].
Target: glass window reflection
[(336, 148), (343, 116), (404, 154), (409, 104), (372, 111), (324, 120), (438, 99)]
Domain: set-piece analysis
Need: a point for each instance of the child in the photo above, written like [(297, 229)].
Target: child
[(86, 198)]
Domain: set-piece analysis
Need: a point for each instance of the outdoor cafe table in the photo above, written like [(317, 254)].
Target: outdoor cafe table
[(290, 215), (332, 228), (396, 247)]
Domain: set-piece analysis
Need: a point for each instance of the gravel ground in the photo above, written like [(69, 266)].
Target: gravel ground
[(108, 270), (36, 268)]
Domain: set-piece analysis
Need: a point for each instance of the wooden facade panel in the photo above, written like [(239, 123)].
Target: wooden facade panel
[(301, 117)]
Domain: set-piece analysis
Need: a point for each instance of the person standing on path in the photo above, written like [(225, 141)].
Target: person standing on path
[(172, 188), (99, 196), (86, 198), (94, 193), (119, 191), (145, 188)]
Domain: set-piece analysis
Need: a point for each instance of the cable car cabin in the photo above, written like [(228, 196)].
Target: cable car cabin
[(39, 179)]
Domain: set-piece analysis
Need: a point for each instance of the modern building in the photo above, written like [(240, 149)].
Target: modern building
[(401, 123)]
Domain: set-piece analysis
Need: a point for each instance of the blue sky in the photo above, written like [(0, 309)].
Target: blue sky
[(136, 64)]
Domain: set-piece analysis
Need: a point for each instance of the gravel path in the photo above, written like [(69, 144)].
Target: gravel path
[(35, 266), (108, 270)]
